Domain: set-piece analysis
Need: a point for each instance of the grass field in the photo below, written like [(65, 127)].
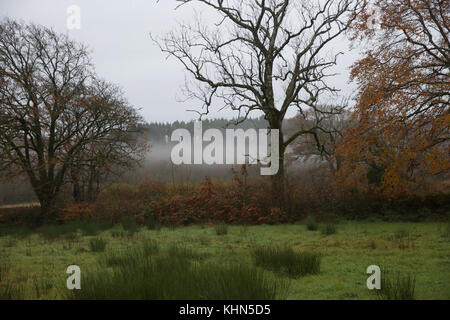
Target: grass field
[(35, 262)]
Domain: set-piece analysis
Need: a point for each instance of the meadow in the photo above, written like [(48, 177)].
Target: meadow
[(306, 260)]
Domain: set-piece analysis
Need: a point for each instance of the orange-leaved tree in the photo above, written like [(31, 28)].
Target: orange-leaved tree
[(402, 104)]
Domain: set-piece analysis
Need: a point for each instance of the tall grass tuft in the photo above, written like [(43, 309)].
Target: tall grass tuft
[(9, 291), (328, 229), (401, 233), (182, 252), (152, 224), (221, 229), (311, 224), (286, 261), (238, 282), (97, 244), (143, 275), (130, 226), (4, 269), (141, 253), (446, 233), (403, 239), (397, 286)]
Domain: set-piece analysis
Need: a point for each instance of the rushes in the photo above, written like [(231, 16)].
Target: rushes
[(238, 282), (143, 273), (141, 254), (221, 229), (403, 239), (397, 286), (97, 244), (327, 229), (286, 261), (4, 269), (311, 224)]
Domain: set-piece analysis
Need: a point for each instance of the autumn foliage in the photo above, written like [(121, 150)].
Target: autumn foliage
[(208, 202), (401, 118)]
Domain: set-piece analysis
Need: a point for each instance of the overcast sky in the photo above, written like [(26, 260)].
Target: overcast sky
[(118, 33)]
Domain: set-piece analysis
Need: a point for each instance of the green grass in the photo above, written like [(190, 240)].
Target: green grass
[(422, 251)]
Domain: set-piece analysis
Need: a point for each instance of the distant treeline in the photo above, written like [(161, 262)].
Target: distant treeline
[(158, 132)]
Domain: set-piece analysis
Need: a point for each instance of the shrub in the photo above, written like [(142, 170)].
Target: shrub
[(117, 202), (329, 228), (396, 286), (75, 212), (286, 261), (311, 224), (221, 229), (97, 244)]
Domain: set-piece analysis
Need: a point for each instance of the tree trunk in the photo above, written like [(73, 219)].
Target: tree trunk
[(91, 189), (76, 191), (47, 208), (278, 180)]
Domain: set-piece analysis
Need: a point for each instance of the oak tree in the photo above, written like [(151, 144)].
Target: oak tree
[(50, 107), (269, 56)]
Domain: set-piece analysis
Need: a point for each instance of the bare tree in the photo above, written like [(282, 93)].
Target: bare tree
[(264, 55), (48, 112), (320, 145), (110, 154)]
